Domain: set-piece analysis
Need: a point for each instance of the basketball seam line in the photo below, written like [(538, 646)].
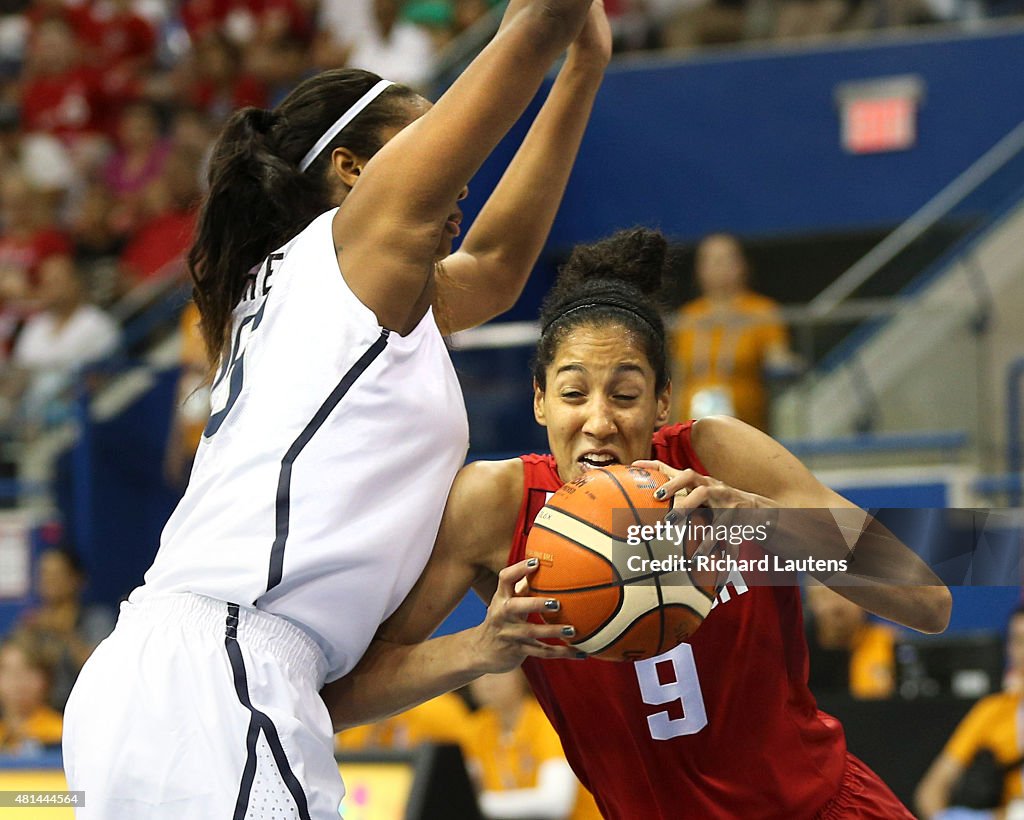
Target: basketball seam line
[(650, 555)]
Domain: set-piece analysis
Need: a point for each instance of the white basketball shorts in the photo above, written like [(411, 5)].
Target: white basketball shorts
[(196, 708)]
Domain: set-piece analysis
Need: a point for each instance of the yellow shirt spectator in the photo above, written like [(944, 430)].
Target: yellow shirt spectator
[(42, 728), (992, 723), (720, 352), (191, 403), (873, 662), (724, 340), (506, 761), (441, 720)]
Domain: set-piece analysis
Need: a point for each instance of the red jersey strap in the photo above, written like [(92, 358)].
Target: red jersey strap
[(540, 477), (674, 446), (670, 444)]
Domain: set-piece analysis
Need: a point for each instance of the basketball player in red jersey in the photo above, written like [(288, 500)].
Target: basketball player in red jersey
[(722, 726)]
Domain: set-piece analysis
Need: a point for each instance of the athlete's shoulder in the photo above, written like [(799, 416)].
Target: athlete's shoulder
[(758, 303), (490, 483)]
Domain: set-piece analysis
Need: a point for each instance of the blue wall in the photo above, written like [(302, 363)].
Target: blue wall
[(750, 141)]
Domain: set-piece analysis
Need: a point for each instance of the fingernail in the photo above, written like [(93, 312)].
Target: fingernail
[(581, 656), (552, 604), (659, 493), (532, 562), (672, 518), (568, 631)]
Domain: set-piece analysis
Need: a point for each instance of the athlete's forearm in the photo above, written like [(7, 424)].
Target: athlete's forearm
[(517, 217), (508, 235), (883, 575), (393, 677)]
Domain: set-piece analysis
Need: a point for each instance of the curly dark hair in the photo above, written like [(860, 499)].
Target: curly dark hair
[(614, 281)]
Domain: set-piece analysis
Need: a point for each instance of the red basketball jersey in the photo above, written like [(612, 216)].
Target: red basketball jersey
[(722, 726)]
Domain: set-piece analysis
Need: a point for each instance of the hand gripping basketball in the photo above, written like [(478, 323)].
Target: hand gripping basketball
[(625, 582), (508, 634)]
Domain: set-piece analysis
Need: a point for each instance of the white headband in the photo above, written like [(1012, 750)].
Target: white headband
[(342, 121)]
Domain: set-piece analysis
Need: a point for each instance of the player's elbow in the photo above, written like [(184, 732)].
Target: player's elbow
[(935, 608)]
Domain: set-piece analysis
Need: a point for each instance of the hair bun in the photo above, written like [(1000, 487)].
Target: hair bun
[(635, 256)]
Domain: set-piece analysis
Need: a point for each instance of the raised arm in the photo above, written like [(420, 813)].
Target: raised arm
[(487, 274), (401, 668), (392, 221), (749, 469)]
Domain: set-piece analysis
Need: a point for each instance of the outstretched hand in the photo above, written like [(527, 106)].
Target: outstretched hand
[(507, 637)]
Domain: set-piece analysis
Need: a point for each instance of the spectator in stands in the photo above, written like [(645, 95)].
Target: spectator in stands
[(27, 237), (190, 129), (441, 720), (155, 250), (216, 79), (137, 162), (97, 244), (725, 340), (247, 21), (395, 48), (379, 40), (192, 401), (280, 65), (27, 724), (77, 16), (67, 334), (62, 94), (516, 756), (993, 724), (814, 18), (848, 652), (126, 46), (711, 23), (66, 629), (340, 25)]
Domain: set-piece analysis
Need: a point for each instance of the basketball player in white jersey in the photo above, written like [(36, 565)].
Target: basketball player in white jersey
[(337, 424)]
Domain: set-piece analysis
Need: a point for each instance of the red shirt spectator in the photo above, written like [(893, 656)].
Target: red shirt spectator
[(126, 47), (78, 18), (25, 252), (27, 238), (246, 20), (158, 243), (218, 85), (61, 95), (167, 233)]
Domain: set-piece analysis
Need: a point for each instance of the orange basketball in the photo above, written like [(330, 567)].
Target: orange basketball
[(628, 596)]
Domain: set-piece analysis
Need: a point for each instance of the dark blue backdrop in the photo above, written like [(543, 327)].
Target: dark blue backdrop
[(750, 142)]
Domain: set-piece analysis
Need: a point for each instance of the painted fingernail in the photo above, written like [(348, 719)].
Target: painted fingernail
[(568, 631), (672, 518), (532, 562), (581, 656), (659, 493), (552, 605)]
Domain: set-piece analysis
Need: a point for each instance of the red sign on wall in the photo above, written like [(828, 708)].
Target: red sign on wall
[(879, 115)]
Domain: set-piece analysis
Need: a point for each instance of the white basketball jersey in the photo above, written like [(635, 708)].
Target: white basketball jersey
[(332, 444)]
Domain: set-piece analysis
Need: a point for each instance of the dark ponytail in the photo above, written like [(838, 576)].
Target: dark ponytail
[(258, 199), (611, 282)]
